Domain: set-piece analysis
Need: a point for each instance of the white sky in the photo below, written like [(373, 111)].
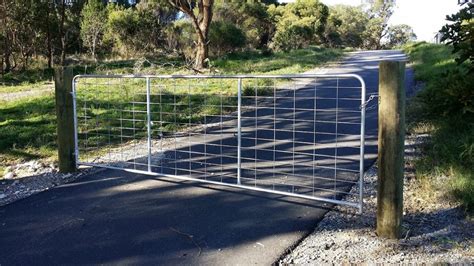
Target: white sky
[(426, 17)]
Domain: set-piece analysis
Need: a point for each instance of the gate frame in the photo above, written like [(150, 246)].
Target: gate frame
[(363, 103)]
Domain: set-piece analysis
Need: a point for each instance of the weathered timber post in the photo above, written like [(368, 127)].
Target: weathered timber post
[(391, 148), (65, 119)]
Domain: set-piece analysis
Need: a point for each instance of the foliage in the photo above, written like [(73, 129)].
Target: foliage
[(121, 27), (137, 30), (460, 34), (93, 26), (31, 28), (225, 37), (180, 38), (40, 33), (332, 36), (399, 35), (446, 103), (449, 92), (298, 24), (345, 25), (379, 13), (250, 16)]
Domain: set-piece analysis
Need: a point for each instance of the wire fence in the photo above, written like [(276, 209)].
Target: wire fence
[(296, 135)]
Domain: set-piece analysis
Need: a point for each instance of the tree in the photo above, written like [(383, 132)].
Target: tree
[(201, 21), (93, 25), (332, 36), (399, 35), (47, 23), (6, 35), (68, 12), (460, 34), (298, 24), (122, 27), (346, 25), (380, 12), (19, 33)]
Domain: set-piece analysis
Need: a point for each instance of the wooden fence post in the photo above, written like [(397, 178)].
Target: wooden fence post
[(391, 148), (65, 119)]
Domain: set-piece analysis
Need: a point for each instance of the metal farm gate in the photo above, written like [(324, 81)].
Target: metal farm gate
[(294, 135)]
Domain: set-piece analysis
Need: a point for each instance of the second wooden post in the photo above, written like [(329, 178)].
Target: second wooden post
[(65, 119), (391, 148)]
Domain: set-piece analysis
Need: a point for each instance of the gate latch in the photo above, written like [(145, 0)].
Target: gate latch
[(364, 105)]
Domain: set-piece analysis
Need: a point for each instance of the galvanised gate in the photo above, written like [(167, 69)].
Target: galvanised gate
[(294, 135)]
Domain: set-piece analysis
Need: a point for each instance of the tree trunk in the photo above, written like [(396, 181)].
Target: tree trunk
[(201, 24), (62, 33), (63, 51), (93, 49), (6, 56), (48, 40), (202, 50), (6, 64)]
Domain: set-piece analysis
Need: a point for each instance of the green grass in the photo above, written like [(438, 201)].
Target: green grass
[(27, 129), (296, 61), (444, 108), (28, 126), (25, 86)]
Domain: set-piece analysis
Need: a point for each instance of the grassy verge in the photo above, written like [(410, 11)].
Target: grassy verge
[(444, 109), (28, 126)]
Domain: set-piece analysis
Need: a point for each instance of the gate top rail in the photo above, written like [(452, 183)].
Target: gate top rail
[(290, 76)]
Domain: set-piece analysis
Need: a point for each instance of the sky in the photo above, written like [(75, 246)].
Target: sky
[(426, 17)]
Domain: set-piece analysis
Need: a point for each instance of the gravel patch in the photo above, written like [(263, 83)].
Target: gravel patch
[(435, 228), (25, 179)]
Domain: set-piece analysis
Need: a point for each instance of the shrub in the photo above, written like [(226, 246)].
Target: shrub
[(298, 24), (225, 37)]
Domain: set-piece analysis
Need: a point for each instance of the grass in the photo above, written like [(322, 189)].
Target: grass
[(25, 86), (28, 126), (296, 61), (444, 109)]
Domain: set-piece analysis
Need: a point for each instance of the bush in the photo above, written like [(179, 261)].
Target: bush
[(298, 24), (249, 16), (225, 37), (451, 94), (138, 30), (180, 38), (448, 91)]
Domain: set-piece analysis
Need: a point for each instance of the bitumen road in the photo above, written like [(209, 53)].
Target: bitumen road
[(115, 217)]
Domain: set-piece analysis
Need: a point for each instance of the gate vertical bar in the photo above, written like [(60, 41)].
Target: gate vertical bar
[(148, 117), (74, 112), (362, 144), (239, 128)]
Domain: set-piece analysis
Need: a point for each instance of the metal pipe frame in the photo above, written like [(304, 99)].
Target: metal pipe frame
[(358, 205)]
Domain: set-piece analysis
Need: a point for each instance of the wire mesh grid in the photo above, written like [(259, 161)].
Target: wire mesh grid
[(292, 135)]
